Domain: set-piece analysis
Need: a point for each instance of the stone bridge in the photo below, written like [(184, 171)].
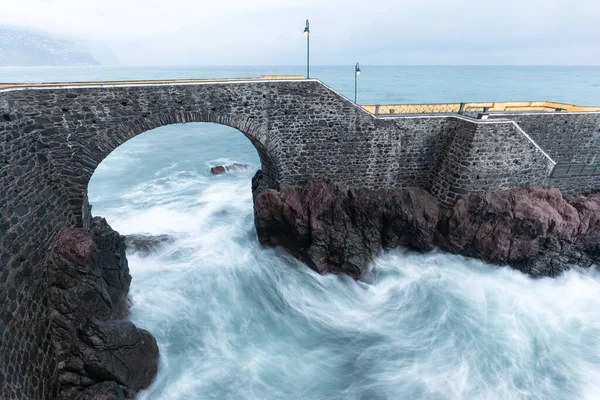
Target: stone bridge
[(52, 138)]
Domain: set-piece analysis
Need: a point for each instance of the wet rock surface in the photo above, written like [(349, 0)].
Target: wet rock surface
[(221, 169), (339, 230), (103, 391), (144, 244), (535, 230), (99, 354)]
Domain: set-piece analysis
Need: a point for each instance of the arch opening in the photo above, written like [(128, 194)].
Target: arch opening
[(87, 159), (161, 156)]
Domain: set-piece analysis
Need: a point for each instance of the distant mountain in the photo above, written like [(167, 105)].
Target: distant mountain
[(25, 48)]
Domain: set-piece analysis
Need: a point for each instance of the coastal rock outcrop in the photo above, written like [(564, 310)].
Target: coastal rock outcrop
[(98, 353), (144, 245), (339, 230), (221, 169), (535, 230)]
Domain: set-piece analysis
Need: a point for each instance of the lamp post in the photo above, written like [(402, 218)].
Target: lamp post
[(356, 74), (307, 35)]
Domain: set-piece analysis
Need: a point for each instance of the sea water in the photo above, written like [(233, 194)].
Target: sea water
[(234, 320)]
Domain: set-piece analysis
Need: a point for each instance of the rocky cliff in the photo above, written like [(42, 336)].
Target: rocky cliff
[(339, 230), (96, 350)]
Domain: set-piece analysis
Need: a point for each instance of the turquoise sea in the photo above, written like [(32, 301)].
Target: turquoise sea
[(236, 321), (377, 85)]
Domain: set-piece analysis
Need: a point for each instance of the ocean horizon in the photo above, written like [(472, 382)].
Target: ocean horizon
[(578, 85)]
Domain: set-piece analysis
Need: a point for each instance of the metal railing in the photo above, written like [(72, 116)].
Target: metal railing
[(575, 169), (413, 108), (473, 108)]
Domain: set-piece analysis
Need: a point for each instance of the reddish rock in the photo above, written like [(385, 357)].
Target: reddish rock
[(76, 244), (533, 229), (339, 230)]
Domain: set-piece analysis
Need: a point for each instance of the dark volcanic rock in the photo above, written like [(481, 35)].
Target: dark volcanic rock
[(334, 229), (146, 244), (116, 350), (103, 391), (221, 169), (99, 354)]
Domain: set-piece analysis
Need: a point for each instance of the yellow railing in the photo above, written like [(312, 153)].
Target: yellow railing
[(538, 106), (413, 108)]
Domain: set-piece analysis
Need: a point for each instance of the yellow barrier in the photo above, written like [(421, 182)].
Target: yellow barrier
[(539, 106), (413, 108)]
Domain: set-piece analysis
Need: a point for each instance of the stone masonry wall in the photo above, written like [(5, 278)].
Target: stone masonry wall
[(52, 140), (575, 185), (452, 161), (27, 228), (566, 137), (487, 157), (501, 158)]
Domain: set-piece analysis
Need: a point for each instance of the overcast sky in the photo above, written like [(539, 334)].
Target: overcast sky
[(269, 32)]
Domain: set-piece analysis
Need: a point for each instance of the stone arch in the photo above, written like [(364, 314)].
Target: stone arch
[(86, 159), (61, 189)]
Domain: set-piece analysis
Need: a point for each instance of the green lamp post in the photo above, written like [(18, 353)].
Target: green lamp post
[(307, 35), (356, 74)]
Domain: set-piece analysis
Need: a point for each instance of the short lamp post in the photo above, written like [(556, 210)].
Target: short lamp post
[(356, 74), (307, 35)]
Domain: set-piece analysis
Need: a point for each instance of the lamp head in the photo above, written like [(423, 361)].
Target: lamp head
[(307, 29), (357, 69)]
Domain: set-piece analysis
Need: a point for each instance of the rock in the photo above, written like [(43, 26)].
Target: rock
[(588, 208), (335, 229), (103, 391), (118, 351), (221, 169), (218, 170), (98, 354), (533, 229), (146, 244), (76, 244)]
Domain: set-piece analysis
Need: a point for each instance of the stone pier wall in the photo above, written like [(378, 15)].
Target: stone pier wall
[(566, 137), (489, 157)]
